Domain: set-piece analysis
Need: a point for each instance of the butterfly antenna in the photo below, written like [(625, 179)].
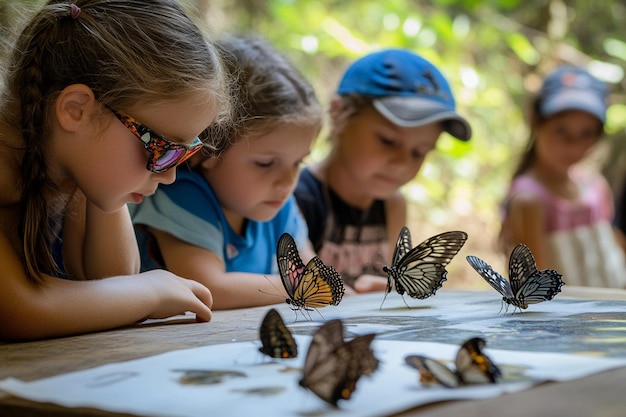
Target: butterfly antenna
[(272, 284)]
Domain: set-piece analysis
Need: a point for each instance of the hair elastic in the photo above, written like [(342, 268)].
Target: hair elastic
[(74, 11)]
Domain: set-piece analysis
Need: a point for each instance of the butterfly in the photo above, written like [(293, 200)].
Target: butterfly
[(420, 271), (276, 339), (333, 366), (312, 286), (527, 285), (472, 367)]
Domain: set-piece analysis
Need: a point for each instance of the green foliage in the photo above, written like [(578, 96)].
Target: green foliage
[(494, 54)]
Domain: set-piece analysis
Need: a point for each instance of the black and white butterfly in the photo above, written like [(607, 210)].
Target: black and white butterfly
[(276, 339), (312, 286), (420, 271), (333, 366), (472, 366), (526, 285)]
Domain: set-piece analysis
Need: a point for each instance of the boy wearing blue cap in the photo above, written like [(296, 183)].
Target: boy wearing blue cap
[(391, 107), (560, 211)]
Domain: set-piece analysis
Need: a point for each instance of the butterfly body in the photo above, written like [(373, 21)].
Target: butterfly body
[(420, 271), (471, 363), (333, 367), (276, 339), (527, 285), (314, 285)]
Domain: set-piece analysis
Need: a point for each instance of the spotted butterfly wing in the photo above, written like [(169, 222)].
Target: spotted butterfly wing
[(527, 285), (493, 278), (315, 285), (333, 367), (420, 271), (276, 339), (472, 367), (403, 246)]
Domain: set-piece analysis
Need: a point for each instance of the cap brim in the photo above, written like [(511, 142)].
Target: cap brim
[(415, 111), (572, 99)]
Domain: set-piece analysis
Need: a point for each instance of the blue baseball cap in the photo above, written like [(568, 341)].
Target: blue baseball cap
[(573, 88), (406, 89)]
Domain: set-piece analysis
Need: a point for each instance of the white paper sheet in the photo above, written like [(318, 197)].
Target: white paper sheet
[(153, 387)]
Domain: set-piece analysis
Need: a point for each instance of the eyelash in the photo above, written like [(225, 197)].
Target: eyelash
[(388, 142), (265, 164), (385, 141)]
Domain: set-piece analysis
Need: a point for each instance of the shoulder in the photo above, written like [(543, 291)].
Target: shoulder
[(189, 195), (396, 204), (395, 214), (308, 184), (526, 190), (190, 191), (591, 179), (187, 184), (309, 194)]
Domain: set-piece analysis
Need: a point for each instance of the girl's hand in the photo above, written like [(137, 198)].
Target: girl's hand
[(175, 295)]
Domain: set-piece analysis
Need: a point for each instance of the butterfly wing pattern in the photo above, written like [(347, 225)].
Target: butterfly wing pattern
[(420, 271), (276, 339), (315, 285), (473, 366), (527, 285), (333, 367)]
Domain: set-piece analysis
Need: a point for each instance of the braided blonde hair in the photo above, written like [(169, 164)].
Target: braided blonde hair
[(126, 51)]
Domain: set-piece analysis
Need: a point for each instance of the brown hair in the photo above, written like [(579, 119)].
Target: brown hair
[(126, 51), (536, 119), (266, 90)]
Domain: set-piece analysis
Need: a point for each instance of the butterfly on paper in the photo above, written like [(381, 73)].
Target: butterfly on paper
[(312, 286), (420, 271), (526, 285), (472, 366), (276, 339), (333, 366)]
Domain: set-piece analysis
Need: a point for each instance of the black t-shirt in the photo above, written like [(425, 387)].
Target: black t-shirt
[(352, 240)]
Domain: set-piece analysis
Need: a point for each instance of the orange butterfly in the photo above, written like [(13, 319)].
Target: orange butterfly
[(315, 285)]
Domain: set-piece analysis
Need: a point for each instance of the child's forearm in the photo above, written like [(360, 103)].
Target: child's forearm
[(110, 246)]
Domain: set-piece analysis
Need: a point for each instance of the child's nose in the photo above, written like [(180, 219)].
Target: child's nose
[(167, 177)]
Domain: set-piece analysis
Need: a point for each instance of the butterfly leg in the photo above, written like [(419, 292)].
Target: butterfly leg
[(405, 303)]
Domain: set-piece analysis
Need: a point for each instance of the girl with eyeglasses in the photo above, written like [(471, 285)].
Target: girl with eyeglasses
[(220, 222), (101, 100)]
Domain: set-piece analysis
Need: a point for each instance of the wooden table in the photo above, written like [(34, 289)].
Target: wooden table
[(601, 395)]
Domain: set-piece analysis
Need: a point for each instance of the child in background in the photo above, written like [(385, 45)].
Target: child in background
[(559, 210), (391, 107), (72, 156), (220, 222)]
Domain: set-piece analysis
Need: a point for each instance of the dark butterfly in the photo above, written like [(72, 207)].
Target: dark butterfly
[(528, 285), (420, 271), (312, 286), (472, 367), (276, 338), (333, 366)]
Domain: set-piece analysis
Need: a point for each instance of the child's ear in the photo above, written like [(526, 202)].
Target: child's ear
[(74, 106), (336, 106)]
